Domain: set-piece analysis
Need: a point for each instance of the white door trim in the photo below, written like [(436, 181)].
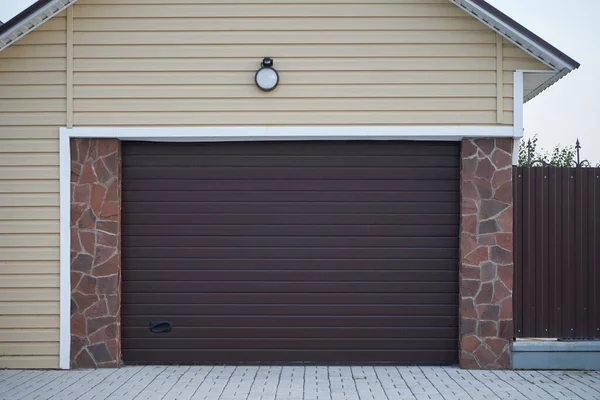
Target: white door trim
[(224, 134)]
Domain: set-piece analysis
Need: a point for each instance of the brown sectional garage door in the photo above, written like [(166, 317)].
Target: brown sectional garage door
[(291, 252)]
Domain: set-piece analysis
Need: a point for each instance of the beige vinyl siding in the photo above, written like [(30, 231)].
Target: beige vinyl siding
[(153, 62), (32, 108)]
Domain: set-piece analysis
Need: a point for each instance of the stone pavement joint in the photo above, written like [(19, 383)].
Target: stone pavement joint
[(297, 383)]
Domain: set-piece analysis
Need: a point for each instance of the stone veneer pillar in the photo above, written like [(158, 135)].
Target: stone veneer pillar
[(95, 253), (486, 254)]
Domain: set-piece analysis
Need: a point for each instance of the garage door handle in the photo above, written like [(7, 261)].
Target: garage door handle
[(161, 327)]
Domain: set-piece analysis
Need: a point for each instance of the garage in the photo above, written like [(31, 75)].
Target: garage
[(316, 251)]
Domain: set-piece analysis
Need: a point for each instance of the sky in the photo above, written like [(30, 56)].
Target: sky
[(568, 110)]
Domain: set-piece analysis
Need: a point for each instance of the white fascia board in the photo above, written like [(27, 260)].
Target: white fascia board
[(33, 21), (512, 35), (257, 133)]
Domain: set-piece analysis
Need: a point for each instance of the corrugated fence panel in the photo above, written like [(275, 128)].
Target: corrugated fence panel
[(557, 276)]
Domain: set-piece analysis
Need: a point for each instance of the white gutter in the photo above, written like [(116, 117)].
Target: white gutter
[(33, 21)]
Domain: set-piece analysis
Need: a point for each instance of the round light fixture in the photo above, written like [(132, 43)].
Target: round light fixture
[(267, 77)]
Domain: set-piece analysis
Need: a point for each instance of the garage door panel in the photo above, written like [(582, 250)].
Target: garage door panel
[(238, 232), (433, 357), (405, 184), (294, 287), (292, 344), (229, 207), (135, 264), (292, 309), (267, 173), (302, 148), (174, 241), (330, 321), (290, 196), (286, 253), (295, 161), (133, 217), (135, 299), (293, 276), (283, 251), (297, 332)]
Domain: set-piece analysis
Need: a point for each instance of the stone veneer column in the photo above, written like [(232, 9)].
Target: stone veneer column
[(486, 253), (95, 253)]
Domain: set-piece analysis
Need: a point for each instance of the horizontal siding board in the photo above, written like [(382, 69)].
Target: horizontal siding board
[(181, 79), (195, 24), (29, 349), (29, 267), (265, 105), (10, 93), (30, 294), (212, 10), (287, 118), (29, 308), (29, 220), (36, 51), (287, 64), (250, 91), (28, 281), (28, 240), (31, 78), (283, 37), (28, 253), (28, 159), (32, 64), (57, 23), (29, 321), (33, 362), (29, 146), (514, 64), (38, 37), (33, 118), (28, 335), (396, 51), (47, 186), (28, 199), (29, 172)]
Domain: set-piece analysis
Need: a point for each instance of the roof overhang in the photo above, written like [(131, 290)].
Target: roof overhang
[(28, 20), (535, 81)]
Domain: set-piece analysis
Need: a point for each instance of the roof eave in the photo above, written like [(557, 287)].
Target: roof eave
[(553, 79), (518, 35), (28, 20)]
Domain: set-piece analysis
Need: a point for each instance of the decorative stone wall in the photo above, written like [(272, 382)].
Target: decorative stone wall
[(486, 253), (95, 253)]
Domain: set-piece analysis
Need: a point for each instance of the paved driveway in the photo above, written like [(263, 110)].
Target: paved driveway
[(291, 383)]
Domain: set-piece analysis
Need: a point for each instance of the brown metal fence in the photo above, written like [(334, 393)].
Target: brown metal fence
[(557, 252)]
